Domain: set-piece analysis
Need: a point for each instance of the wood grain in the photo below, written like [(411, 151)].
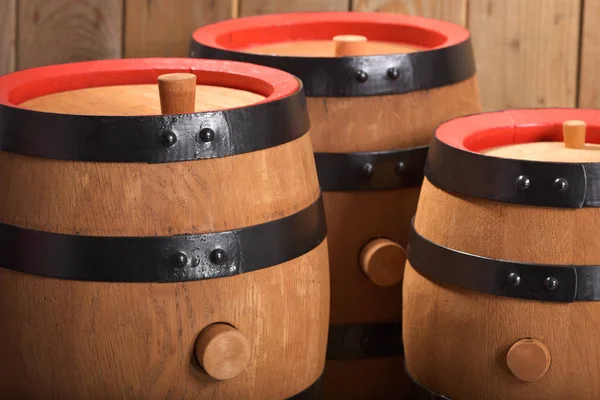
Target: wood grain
[(526, 51), (8, 32), (135, 100), (456, 341), (547, 151), (326, 48), (111, 199), (448, 10), (93, 340), (589, 79), (355, 218), (393, 122), (258, 7), (163, 28), (60, 31)]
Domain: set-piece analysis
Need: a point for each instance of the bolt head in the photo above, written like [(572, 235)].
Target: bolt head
[(400, 167), (218, 256), (179, 259), (393, 73), (513, 279), (168, 139), (560, 185), (367, 170), (206, 135), (550, 283), (522, 183), (361, 76)]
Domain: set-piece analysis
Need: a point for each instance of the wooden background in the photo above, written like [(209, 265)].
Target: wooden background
[(530, 53)]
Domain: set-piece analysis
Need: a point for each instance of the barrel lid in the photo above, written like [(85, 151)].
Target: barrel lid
[(520, 157), (95, 111), (534, 135), (403, 53), (295, 33), (129, 87)]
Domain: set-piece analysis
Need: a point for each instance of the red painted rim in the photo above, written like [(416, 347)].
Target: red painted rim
[(17, 87), (243, 33), (478, 132)]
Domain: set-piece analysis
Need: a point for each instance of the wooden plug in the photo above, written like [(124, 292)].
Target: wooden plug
[(177, 93), (528, 360), (382, 261), (222, 351), (350, 45), (574, 134)]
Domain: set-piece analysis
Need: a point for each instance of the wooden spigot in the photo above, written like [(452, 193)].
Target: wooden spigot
[(528, 360), (574, 134), (177, 93), (350, 45), (382, 261), (222, 351)]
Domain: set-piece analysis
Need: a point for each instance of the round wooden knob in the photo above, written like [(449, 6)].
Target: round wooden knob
[(222, 351), (382, 260), (350, 45), (177, 93), (528, 360)]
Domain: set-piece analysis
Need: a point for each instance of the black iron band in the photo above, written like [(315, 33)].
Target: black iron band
[(532, 183), (163, 259), (361, 341), (365, 75), (313, 392), (376, 170), (418, 392), (153, 139), (556, 283)]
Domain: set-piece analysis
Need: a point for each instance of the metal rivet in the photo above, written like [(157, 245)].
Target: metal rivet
[(400, 167), (367, 170), (393, 73), (361, 76), (168, 139), (513, 279), (550, 283), (179, 259), (206, 135), (218, 256), (560, 185), (522, 183)]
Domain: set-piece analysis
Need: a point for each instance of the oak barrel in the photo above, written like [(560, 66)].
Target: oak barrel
[(159, 256), (501, 281), (377, 85)]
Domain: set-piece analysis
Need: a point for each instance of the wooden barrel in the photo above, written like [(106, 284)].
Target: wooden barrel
[(159, 256), (374, 99), (502, 279)]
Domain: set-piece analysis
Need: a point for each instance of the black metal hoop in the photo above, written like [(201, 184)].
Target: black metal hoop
[(163, 258), (364, 75)]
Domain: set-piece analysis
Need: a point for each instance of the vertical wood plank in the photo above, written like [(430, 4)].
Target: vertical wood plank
[(257, 7), (8, 31), (447, 10), (526, 51), (589, 77), (59, 31), (163, 28)]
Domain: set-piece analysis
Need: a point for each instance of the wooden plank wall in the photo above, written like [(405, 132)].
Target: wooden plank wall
[(530, 53)]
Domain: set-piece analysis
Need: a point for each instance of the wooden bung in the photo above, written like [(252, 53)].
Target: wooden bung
[(382, 261), (177, 93), (350, 45), (222, 351), (528, 360), (574, 134)]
